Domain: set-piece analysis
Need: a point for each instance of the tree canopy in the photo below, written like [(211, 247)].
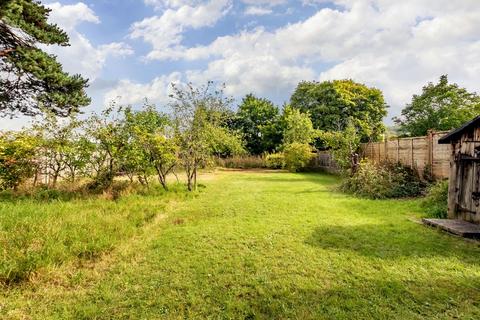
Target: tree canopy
[(199, 116), (298, 127), (258, 121), (332, 105), (441, 106), (31, 79)]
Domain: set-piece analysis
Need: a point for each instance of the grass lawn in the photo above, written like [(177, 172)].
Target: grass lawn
[(250, 245)]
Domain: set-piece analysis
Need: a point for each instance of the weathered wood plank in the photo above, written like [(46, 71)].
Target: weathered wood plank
[(458, 227)]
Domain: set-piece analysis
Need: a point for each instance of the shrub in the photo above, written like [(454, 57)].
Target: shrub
[(297, 156), (275, 161), (405, 181), (386, 180), (435, 203), (17, 151), (242, 162)]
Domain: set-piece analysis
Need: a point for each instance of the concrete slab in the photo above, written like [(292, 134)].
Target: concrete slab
[(458, 227)]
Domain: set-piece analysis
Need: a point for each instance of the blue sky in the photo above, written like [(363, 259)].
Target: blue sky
[(134, 49)]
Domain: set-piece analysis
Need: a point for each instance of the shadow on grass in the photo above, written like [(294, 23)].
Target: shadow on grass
[(367, 298), (392, 241)]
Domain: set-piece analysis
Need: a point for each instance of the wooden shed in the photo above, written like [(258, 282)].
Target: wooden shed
[(464, 184)]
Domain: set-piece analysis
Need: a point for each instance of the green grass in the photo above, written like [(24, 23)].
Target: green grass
[(261, 245), (37, 234)]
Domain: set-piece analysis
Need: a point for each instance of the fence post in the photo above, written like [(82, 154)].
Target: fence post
[(411, 150), (398, 150), (386, 149), (430, 150)]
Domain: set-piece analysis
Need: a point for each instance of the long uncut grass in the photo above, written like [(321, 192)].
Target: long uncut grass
[(45, 228)]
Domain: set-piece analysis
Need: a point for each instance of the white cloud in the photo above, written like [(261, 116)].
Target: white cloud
[(270, 3), (165, 32), (157, 91), (82, 56), (69, 16), (257, 11), (396, 46), (162, 4)]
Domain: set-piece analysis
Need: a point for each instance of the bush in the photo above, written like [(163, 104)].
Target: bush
[(435, 203), (244, 162), (17, 152), (297, 156), (275, 161), (386, 180)]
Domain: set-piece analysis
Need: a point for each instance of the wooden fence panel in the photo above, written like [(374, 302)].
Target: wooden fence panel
[(421, 153)]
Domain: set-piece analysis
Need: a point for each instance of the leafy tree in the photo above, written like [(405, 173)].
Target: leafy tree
[(441, 106), (152, 135), (332, 103), (78, 153), (56, 144), (31, 79), (298, 136), (199, 117), (17, 158), (298, 127), (343, 146), (258, 121), (109, 137)]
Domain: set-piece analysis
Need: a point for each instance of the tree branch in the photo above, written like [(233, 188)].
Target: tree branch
[(4, 53)]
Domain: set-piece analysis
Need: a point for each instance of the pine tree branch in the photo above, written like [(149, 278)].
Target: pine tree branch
[(4, 53)]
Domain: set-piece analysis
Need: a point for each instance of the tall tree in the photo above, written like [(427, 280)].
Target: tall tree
[(31, 79), (334, 104), (258, 121), (298, 127), (199, 117), (298, 136), (440, 106)]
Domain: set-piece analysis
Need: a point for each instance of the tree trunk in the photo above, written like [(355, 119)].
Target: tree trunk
[(195, 177), (35, 178), (162, 178), (145, 177), (55, 178)]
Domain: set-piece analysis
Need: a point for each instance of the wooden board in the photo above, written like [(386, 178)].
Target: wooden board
[(458, 227)]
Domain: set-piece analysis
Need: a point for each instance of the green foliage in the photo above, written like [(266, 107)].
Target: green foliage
[(200, 127), (109, 139), (47, 86), (297, 156), (275, 161), (435, 203), (258, 120), (386, 180), (225, 142), (298, 127), (343, 146), (150, 145), (441, 106), (62, 148), (333, 104), (17, 158)]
